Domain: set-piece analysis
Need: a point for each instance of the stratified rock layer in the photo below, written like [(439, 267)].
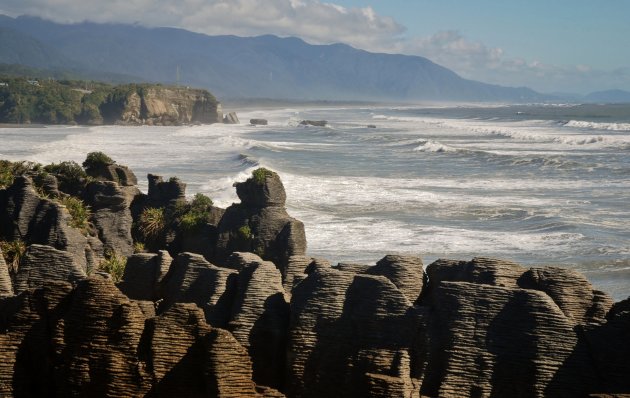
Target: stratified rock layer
[(260, 317), (346, 333), (93, 341)]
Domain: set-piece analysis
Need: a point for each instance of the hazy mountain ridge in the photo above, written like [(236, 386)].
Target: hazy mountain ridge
[(230, 66)]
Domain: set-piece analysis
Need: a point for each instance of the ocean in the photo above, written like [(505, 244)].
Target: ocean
[(536, 184)]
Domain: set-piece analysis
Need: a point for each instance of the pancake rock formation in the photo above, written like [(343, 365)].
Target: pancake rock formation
[(160, 296)]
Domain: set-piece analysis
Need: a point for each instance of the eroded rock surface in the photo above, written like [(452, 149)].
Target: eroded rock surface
[(93, 341), (260, 223), (25, 216)]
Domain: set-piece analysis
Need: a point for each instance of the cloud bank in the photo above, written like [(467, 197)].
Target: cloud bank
[(319, 22)]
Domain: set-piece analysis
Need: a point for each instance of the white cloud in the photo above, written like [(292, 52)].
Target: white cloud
[(312, 20), (320, 22)]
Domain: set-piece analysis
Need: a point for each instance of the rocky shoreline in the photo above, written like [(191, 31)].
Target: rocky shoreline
[(107, 291)]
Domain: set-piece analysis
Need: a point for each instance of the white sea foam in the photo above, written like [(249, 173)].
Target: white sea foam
[(434, 146), (598, 126)]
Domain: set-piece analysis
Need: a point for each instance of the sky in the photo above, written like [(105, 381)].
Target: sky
[(572, 46)]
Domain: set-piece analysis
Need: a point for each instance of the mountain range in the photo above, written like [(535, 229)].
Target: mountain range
[(238, 67)]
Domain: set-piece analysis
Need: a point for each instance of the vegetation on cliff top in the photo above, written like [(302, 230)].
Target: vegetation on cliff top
[(48, 101)]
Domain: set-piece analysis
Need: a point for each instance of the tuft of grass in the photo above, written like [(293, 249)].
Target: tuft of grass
[(245, 232), (96, 159), (13, 252), (114, 264), (260, 175), (79, 212), (138, 247), (152, 222)]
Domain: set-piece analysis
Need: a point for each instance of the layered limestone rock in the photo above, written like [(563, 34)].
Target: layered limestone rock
[(93, 341), (143, 275), (164, 193), (610, 349), (496, 341), (347, 334), (571, 291), (111, 216), (260, 316), (260, 223), (6, 287), (25, 216), (406, 272), (192, 279), (43, 263)]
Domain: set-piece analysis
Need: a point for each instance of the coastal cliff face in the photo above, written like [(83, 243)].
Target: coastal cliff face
[(225, 322), (71, 102), (158, 105)]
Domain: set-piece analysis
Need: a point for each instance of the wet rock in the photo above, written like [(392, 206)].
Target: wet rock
[(262, 122), (317, 123), (231, 118)]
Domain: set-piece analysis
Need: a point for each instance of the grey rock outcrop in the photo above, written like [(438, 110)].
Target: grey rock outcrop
[(260, 223), (610, 349), (487, 340), (260, 316), (262, 122), (231, 118), (571, 291), (6, 287), (143, 275), (34, 220), (317, 123), (192, 279), (119, 174), (348, 333), (406, 272), (161, 105), (44, 263), (94, 341), (164, 193), (111, 216)]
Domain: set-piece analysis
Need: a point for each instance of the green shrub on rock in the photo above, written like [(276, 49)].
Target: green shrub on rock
[(9, 170), (196, 213), (260, 175), (94, 160), (245, 232), (70, 170)]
